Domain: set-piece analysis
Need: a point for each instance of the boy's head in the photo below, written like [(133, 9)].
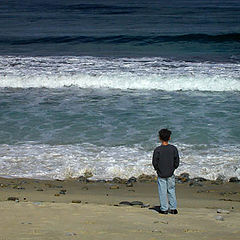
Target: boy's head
[(165, 134)]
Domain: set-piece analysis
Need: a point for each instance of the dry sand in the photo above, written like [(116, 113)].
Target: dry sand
[(39, 214)]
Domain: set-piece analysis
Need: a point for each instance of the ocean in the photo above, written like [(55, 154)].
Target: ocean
[(87, 85)]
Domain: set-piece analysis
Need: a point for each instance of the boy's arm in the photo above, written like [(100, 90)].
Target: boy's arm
[(155, 159), (176, 158)]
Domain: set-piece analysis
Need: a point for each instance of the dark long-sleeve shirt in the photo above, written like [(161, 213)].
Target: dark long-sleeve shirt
[(165, 160)]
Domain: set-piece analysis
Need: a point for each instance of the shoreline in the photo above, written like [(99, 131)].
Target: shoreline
[(89, 177), (86, 209)]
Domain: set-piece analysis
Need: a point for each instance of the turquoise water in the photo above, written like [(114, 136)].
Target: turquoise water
[(87, 86)]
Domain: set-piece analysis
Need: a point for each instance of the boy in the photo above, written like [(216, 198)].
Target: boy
[(165, 160)]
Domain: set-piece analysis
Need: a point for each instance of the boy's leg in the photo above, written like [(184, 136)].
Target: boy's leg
[(162, 191), (171, 192)]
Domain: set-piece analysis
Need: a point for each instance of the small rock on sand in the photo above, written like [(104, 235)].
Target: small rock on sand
[(145, 205), (146, 178), (223, 211), (132, 180), (63, 191), (118, 180), (82, 179), (18, 187), (13, 199), (129, 184), (125, 203), (234, 179), (76, 201), (183, 177), (114, 187), (219, 218), (71, 234), (134, 203)]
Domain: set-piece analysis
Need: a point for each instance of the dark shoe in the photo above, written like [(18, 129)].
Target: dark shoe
[(163, 212), (173, 211)]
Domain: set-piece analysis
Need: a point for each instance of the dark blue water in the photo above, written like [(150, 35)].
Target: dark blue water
[(86, 85), (189, 29)]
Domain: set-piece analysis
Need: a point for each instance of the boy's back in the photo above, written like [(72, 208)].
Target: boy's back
[(165, 160)]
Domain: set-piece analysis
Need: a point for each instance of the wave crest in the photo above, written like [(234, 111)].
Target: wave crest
[(121, 39), (117, 73)]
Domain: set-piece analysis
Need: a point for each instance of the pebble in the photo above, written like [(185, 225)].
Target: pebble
[(145, 205), (234, 179), (125, 203), (118, 180), (182, 178), (76, 201), (84, 188), (18, 187), (56, 194), (223, 211), (63, 191), (129, 184), (134, 203), (114, 187), (39, 190), (156, 230), (71, 234), (132, 180), (82, 179), (219, 218), (13, 199), (146, 178)]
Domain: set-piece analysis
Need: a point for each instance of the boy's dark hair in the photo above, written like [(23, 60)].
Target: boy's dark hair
[(164, 134)]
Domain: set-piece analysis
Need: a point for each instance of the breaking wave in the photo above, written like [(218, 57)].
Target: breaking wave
[(117, 73)]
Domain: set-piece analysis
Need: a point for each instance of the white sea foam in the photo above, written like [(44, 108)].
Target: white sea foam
[(117, 73), (62, 161)]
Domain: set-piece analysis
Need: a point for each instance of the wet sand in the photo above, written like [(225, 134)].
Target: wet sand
[(41, 210)]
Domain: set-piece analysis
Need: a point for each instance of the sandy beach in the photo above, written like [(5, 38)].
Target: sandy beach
[(73, 209)]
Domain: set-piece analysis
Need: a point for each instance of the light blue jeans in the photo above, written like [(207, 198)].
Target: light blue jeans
[(167, 195)]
